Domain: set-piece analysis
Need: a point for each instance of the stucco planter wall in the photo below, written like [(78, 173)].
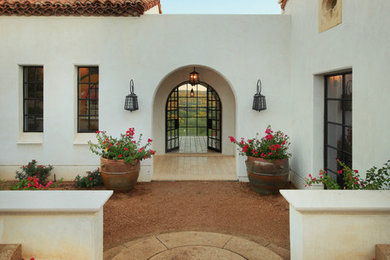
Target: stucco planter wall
[(337, 224), (54, 224)]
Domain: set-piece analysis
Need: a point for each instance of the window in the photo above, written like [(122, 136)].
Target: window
[(338, 123), (32, 99), (88, 99)]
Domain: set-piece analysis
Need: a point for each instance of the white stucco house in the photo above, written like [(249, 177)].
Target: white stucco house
[(65, 70)]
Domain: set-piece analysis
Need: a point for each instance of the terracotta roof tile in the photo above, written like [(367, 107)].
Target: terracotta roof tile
[(283, 3), (76, 7)]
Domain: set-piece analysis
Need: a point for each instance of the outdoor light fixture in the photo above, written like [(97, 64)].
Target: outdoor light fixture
[(194, 78), (131, 102), (259, 100), (192, 93)]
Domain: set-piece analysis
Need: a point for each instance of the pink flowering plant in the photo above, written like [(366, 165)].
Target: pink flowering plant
[(33, 169), (32, 183), (273, 146), (376, 179), (123, 148)]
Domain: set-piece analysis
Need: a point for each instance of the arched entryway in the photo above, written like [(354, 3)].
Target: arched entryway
[(211, 165), (193, 119)]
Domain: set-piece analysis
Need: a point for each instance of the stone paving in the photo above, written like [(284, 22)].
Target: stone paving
[(191, 245)]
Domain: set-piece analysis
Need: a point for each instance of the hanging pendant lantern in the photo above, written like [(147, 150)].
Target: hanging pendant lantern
[(259, 100), (194, 78), (131, 102), (192, 93)]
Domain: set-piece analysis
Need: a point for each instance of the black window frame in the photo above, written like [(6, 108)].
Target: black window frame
[(88, 115), (35, 83), (344, 101)]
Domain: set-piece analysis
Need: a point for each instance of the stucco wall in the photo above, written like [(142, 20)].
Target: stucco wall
[(147, 48), (360, 43)]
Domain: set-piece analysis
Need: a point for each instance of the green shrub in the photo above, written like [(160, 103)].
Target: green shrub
[(92, 179), (42, 172)]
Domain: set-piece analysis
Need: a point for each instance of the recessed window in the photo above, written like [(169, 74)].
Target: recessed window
[(88, 99), (338, 123), (32, 99)]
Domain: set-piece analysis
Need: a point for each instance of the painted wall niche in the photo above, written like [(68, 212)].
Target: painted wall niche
[(330, 14)]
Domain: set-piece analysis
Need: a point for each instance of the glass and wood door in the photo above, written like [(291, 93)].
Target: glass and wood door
[(213, 120), (172, 122), (338, 123), (193, 111)]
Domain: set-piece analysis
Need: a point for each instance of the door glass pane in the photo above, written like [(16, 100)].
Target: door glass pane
[(202, 122)]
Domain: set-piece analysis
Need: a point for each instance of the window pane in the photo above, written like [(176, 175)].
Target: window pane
[(39, 88), (33, 124), (29, 91), (94, 124), (333, 155), (29, 107), (94, 93), (335, 114), (335, 86), (39, 76), (39, 107), (83, 123), (83, 75), (334, 135), (83, 107), (30, 74), (83, 91)]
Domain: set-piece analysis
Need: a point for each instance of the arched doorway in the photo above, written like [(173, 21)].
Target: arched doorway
[(193, 116)]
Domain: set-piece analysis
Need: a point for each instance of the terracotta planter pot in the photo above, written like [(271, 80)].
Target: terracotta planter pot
[(265, 176), (118, 175)]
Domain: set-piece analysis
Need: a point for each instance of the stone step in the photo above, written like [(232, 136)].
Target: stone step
[(11, 252), (382, 252)]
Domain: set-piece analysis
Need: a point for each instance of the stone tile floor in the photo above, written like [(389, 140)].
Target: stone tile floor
[(191, 245), (187, 167)]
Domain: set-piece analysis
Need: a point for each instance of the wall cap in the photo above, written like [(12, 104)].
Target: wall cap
[(338, 200), (53, 201)]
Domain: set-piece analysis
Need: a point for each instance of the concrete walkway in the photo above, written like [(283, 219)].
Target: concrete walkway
[(191, 245)]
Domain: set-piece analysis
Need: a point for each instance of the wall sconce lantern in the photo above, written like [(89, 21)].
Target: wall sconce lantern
[(259, 100), (192, 93), (131, 102), (194, 78)]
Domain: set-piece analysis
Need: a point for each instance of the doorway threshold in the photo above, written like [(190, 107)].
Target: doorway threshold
[(194, 167)]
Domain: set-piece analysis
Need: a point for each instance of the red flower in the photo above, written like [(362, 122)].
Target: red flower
[(153, 152), (149, 140), (232, 139), (90, 179), (269, 137), (268, 131), (126, 148), (119, 156)]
